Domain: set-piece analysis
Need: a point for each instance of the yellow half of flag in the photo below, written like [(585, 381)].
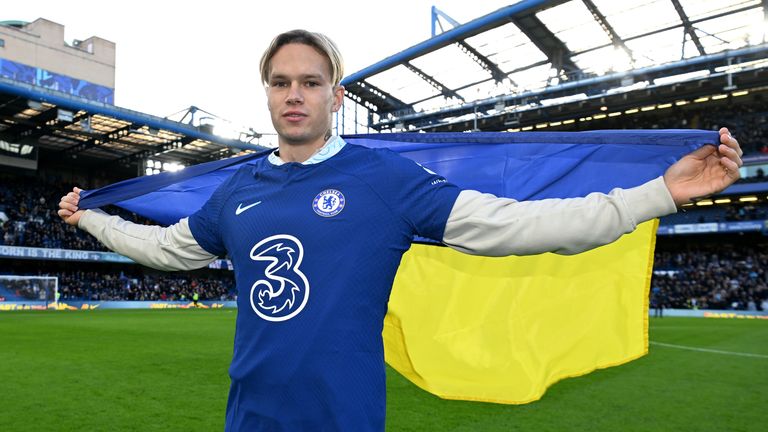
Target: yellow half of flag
[(504, 329)]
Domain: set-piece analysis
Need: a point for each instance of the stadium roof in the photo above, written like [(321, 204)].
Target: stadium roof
[(547, 49), (73, 126)]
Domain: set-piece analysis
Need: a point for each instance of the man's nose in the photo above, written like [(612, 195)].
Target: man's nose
[(294, 94)]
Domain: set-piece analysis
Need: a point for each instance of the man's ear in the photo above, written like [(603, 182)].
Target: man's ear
[(338, 98)]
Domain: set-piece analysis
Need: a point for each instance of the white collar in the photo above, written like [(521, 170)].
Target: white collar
[(328, 150)]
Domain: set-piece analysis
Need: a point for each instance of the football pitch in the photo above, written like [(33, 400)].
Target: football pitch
[(166, 370)]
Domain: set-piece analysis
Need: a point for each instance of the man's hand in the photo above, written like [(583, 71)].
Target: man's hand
[(68, 209), (705, 171)]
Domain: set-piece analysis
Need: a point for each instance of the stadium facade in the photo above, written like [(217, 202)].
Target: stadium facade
[(36, 53)]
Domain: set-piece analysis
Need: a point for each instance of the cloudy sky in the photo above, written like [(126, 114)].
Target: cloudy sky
[(172, 54)]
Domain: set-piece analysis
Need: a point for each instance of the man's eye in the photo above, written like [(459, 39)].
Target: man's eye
[(312, 83), (279, 84)]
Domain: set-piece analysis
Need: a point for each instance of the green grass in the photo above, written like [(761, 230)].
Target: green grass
[(167, 371)]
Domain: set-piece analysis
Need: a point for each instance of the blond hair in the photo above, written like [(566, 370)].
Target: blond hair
[(322, 43)]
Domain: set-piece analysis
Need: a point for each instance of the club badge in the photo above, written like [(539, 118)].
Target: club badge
[(328, 203)]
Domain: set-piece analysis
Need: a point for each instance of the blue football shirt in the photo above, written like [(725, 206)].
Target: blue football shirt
[(315, 249)]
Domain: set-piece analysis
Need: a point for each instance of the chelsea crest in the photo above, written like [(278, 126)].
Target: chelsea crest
[(328, 203)]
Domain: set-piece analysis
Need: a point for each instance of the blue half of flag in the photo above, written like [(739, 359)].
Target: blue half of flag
[(520, 165)]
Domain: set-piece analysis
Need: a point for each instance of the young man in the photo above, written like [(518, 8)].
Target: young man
[(316, 231)]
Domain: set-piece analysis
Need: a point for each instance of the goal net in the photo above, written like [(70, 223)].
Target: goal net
[(27, 289)]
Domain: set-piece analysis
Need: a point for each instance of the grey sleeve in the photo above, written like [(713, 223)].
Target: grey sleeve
[(171, 248), (482, 224)]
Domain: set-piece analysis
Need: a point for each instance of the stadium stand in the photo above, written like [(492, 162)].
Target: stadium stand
[(110, 282), (746, 121), (558, 84), (700, 275), (94, 285), (28, 216), (726, 275), (731, 212)]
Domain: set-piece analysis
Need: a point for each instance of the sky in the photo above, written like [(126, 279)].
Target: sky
[(172, 54)]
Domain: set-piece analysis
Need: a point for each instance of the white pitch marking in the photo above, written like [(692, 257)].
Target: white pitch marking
[(710, 350)]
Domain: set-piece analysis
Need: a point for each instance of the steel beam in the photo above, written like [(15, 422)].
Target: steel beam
[(603, 21), (546, 41), (492, 68), (429, 79), (689, 28)]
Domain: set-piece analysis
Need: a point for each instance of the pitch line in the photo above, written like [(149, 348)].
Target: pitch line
[(762, 356)]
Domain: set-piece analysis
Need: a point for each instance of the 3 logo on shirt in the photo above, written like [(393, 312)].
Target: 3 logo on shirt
[(328, 203), (284, 290)]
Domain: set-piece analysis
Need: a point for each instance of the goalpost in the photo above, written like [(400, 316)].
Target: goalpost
[(28, 289)]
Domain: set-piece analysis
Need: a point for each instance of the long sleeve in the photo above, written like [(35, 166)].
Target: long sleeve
[(171, 248), (482, 224)]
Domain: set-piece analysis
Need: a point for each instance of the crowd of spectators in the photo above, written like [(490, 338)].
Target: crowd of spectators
[(25, 289), (89, 285), (107, 286), (734, 212), (724, 276), (718, 276), (747, 122), (746, 212), (28, 217)]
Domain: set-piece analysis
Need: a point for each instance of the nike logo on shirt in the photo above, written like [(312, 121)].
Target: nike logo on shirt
[(241, 209)]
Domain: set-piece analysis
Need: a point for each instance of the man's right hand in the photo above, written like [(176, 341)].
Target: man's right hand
[(68, 210)]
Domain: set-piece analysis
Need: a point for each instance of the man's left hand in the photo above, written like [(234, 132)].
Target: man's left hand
[(706, 171)]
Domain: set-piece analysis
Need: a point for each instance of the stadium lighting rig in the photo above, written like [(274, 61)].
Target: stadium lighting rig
[(725, 200), (156, 167), (605, 112)]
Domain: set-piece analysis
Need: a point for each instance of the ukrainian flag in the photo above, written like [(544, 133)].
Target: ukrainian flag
[(494, 329)]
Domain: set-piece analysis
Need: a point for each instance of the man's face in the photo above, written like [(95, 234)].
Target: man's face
[(300, 95)]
